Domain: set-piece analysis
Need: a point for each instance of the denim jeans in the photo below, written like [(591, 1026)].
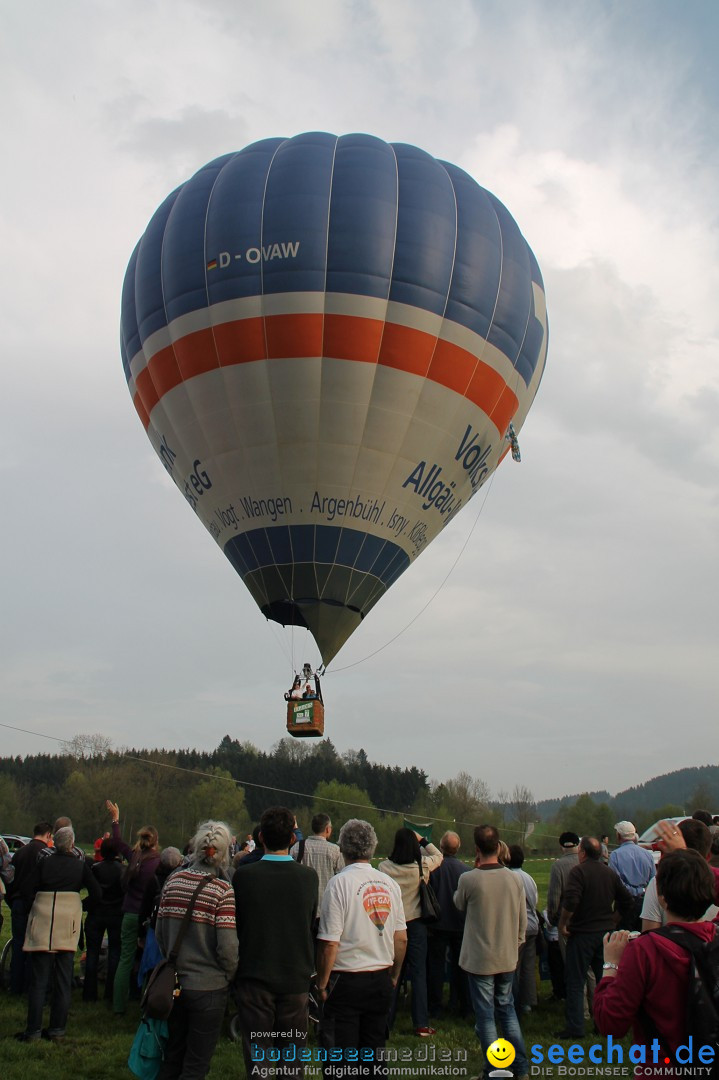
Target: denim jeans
[(416, 966), (415, 970), (46, 967), (492, 996), (524, 985)]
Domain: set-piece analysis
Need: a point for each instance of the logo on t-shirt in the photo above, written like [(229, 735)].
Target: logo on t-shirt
[(378, 904)]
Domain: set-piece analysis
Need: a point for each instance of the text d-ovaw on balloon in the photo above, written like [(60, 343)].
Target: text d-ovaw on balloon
[(284, 250)]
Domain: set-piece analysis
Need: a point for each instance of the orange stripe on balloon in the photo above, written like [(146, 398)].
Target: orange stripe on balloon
[(196, 354), (342, 337), (489, 390), (242, 341), (503, 411), (452, 367), (406, 349), (293, 335), (141, 412), (348, 337)]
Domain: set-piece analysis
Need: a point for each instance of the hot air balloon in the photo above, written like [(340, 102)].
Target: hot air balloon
[(328, 341)]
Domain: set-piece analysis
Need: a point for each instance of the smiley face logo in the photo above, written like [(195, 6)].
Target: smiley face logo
[(500, 1053)]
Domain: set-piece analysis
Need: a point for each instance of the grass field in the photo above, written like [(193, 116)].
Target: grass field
[(98, 1043)]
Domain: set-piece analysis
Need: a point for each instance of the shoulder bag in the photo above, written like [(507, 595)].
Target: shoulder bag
[(163, 985), (429, 909)]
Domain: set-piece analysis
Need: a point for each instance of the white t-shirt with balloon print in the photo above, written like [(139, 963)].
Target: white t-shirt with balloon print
[(361, 909)]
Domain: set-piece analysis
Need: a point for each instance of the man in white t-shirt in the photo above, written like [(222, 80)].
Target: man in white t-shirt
[(362, 939), (697, 836)]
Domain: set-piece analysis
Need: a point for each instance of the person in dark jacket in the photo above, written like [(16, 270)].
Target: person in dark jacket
[(104, 916), (144, 860), (62, 823), (19, 900), (52, 934), (594, 901), (445, 937), (276, 902), (170, 859)]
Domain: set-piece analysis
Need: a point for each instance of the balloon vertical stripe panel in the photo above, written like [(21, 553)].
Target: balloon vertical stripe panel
[(326, 340), (363, 219)]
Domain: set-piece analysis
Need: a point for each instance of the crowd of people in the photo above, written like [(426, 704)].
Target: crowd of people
[(288, 931)]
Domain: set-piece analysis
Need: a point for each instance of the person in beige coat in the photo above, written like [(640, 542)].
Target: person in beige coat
[(410, 853), (53, 929)]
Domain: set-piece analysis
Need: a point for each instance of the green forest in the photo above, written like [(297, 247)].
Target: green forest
[(176, 789)]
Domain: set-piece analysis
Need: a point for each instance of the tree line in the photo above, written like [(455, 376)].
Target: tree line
[(176, 789)]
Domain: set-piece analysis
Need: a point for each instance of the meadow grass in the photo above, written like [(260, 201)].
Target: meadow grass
[(97, 1043)]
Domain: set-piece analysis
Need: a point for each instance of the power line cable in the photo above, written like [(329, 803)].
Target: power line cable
[(433, 597), (267, 787)]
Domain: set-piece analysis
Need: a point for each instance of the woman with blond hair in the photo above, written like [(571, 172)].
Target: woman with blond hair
[(207, 958), (143, 861)]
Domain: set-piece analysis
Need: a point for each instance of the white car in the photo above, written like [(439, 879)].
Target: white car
[(14, 841), (650, 835)]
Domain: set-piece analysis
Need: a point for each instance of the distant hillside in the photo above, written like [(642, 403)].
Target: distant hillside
[(549, 808), (687, 788), (690, 788)]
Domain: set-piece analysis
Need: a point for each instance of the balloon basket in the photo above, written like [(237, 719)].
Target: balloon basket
[(306, 718)]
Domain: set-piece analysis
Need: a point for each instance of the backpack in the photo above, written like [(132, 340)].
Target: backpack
[(702, 1005)]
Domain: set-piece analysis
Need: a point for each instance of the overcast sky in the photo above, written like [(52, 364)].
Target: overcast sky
[(574, 645)]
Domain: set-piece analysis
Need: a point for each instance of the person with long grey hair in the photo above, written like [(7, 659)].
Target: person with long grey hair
[(207, 959)]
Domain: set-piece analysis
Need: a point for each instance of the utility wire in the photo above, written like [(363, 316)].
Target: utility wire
[(267, 787), (434, 595)]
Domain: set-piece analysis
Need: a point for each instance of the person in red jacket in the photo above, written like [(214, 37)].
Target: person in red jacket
[(645, 980)]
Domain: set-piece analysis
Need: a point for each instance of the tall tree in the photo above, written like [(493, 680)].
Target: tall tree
[(523, 809), (468, 798)]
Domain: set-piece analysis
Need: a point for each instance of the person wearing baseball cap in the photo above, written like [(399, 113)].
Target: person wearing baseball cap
[(635, 868), (561, 869)]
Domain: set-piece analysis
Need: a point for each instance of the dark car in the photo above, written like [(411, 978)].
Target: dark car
[(14, 841)]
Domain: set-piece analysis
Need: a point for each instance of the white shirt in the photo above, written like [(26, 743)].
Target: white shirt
[(361, 909), (653, 911)]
